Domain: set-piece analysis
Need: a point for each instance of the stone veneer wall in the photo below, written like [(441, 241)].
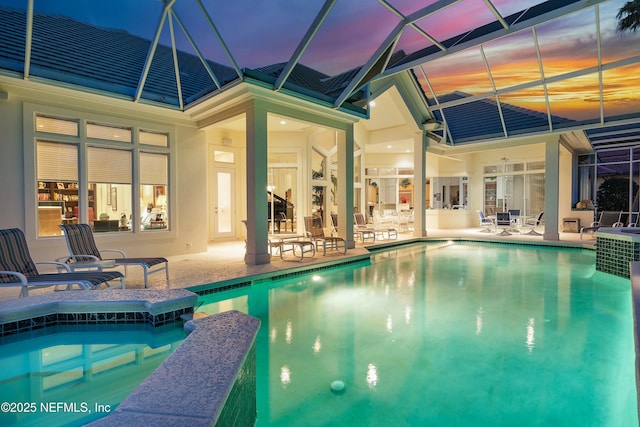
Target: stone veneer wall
[(614, 252)]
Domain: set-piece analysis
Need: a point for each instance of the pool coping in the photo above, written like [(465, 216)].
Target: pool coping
[(192, 387), (119, 306)]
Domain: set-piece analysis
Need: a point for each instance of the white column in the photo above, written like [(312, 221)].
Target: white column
[(257, 251), (419, 184), (345, 185), (551, 188)]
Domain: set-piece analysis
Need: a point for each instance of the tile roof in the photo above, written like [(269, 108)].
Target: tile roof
[(110, 60), (481, 120)]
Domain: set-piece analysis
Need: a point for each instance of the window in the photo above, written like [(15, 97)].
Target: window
[(154, 138), (57, 126), (110, 179), (108, 133), (449, 192), (57, 175), (514, 186), (224, 156), (94, 180), (154, 179)]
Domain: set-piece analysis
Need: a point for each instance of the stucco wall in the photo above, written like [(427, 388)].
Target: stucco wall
[(188, 156)]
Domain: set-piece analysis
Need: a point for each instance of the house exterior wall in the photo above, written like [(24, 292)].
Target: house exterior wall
[(187, 169)]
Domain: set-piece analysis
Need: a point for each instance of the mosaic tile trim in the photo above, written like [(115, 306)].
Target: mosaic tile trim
[(614, 255), (216, 289), (39, 322), (240, 408), (318, 268)]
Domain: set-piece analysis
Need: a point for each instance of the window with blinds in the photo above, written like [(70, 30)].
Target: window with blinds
[(57, 162), (109, 166), (109, 173), (154, 180), (109, 133), (153, 138), (57, 126), (57, 189), (84, 171), (154, 169)]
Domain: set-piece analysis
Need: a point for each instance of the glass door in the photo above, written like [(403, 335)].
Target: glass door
[(222, 202)]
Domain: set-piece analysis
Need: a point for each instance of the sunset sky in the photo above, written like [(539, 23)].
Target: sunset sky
[(265, 32)]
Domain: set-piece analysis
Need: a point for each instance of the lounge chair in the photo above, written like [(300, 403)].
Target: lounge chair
[(606, 219), (19, 269), (532, 223), (405, 220), (82, 247), (380, 231), (362, 230), (487, 224), (315, 232), (386, 224)]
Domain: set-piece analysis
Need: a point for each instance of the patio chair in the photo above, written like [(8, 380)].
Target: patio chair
[(380, 231), (361, 229), (487, 224), (606, 219), (315, 232), (532, 223), (405, 220), (386, 224), (19, 269), (515, 219), (504, 221), (82, 247)]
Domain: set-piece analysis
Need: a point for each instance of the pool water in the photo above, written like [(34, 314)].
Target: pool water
[(445, 335), (72, 375)]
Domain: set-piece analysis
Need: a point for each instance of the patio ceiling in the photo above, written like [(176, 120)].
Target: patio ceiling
[(488, 69)]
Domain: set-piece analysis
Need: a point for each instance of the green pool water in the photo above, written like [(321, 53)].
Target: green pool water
[(445, 334), (72, 375)]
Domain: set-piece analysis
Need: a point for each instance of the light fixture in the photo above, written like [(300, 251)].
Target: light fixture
[(431, 124), (283, 122), (372, 104)]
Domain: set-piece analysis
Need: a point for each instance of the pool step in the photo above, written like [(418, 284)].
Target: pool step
[(193, 316)]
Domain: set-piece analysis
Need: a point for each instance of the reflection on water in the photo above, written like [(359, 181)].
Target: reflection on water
[(457, 358), (70, 372), (479, 321), (285, 376), (317, 346), (372, 375), (531, 333)]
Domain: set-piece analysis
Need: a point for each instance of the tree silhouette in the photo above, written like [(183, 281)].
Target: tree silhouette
[(613, 194), (629, 17)]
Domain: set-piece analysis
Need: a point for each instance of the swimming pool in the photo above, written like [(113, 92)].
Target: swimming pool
[(445, 334), (71, 375)]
